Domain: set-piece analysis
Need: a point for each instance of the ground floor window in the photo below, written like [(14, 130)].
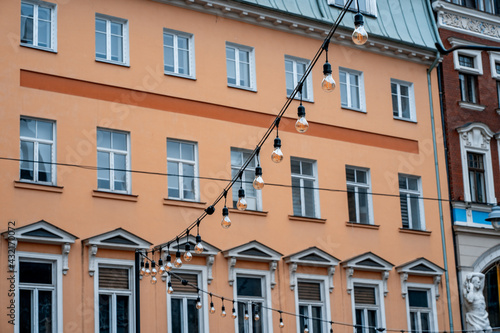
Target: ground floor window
[(491, 293)]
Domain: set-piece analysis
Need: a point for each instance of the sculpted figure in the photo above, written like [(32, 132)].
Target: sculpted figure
[(476, 317)]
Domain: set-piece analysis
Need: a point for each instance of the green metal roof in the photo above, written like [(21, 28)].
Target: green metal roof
[(404, 21)]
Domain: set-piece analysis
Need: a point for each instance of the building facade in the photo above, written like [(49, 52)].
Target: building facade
[(470, 90), (122, 121)]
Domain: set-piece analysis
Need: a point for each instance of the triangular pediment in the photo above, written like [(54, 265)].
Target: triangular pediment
[(312, 256), (420, 266), (368, 262), (42, 232), (253, 251), (208, 249), (118, 239)]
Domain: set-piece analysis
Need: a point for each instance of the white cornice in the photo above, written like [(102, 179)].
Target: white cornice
[(301, 26), (467, 21)]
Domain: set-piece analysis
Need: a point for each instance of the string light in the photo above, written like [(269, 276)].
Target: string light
[(301, 125), (178, 260), (198, 248), (198, 303), (153, 280), (306, 329), (247, 316), (147, 272), (223, 309), (168, 265), (142, 271), (160, 265), (256, 316), (234, 315), (258, 182), (277, 154), (242, 202), (212, 308), (170, 290), (359, 35), (328, 83), (187, 254), (281, 320), (226, 222), (153, 268)]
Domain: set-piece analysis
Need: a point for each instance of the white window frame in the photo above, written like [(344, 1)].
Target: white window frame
[(411, 102), (314, 178), (324, 303), (120, 264), (267, 320), (125, 45), (191, 54), (431, 298), (112, 151), (307, 86), (201, 272), (58, 308), (258, 198), (361, 89), (420, 201), (379, 294), (478, 64), (36, 141), (494, 60), (371, 6), (180, 161), (368, 187), (251, 59), (53, 25)]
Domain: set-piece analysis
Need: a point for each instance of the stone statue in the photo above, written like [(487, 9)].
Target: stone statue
[(476, 316)]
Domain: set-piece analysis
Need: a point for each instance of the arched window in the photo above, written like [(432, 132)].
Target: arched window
[(492, 293)]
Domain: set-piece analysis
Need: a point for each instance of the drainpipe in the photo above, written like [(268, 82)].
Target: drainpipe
[(436, 166), (137, 293)]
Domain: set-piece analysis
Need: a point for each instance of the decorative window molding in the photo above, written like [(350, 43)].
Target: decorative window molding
[(118, 239), (311, 257), (178, 53), (419, 267), (475, 138), (367, 298), (367, 262), (252, 251), (312, 301), (475, 68), (209, 252), (43, 232), (495, 64), (422, 307)]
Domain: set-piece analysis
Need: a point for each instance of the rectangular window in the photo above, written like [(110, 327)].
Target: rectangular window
[(250, 297), (358, 195), (365, 6), (178, 53), (240, 66), (351, 89), (182, 169), (37, 296), (476, 177), (304, 192), (115, 300), (111, 39), (410, 199), (37, 150), (466, 61), (294, 70), (468, 87), (184, 316), (113, 161), (367, 309), (498, 93), (252, 196), (311, 306), (38, 24), (420, 311), (402, 100)]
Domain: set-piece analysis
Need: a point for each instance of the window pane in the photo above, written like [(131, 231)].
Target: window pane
[(120, 175), (173, 179), (182, 43), (355, 96), (100, 45), (28, 128), (349, 175), (415, 212), (116, 29), (25, 310), (187, 151), (295, 166), (193, 317), (236, 158), (257, 325), (35, 272), (122, 314), (27, 23), (304, 317), (100, 25), (44, 130), (242, 323), (245, 75), (168, 59), (344, 99), (44, 33), (289, 83), (309, 198), (405, 107), (307, 168), (168, 40), (44, 13), (103, 139), (27, 151), (372, 320), (363, 205), (104, 313), (44, 155), (413, 184), (351, 203), (316, 323), (116, 48), (173, 149), (247, 286), (103, 171), (425, 322), (418, 298), (395, 105), (188, 181), (359, 320), (297, 202), (414, 322), (183, 62), (176, 315), (119, 141), (361, 177), (404, 210), (44, 311)]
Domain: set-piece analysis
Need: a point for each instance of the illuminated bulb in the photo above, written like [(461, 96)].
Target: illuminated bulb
[(223, 312), (256, 317), (198, 248), (234, 315), (359, 35), (170, 290), (154, 280), (198, 303), (281, 323), (328, 83), (142, 271), (147, 272), (178, 261), (226, 222), (277, 154), (247, 316), (162, 267), (212, 308), (242, 203), (306, 330), (153, 268), (187, 255), (301, 125), (258, 182)]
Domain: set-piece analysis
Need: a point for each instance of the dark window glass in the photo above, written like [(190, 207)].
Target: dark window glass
[(491, 294), (466, 61), (25, 299), (247, 286), (35, 272), (104, 313), (418, 298)]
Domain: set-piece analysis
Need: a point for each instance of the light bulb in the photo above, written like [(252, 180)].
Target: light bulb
[(234, 315), (212, 308), (226, 222), (301, 125), (328, 83), (256, 317), (223, 312), (161, 267), (277, 154), (198, 303), (281, 323), (306, 330), (258, 182), (147, 272), (359, 35), (154, 280), (168, 265), (187, 255), (247, 316), (178, 261), (242, 203), (153, 268), (142, 271), (170, 290), (198, 248)]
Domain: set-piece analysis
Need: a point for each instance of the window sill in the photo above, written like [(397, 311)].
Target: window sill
[(362, 225), (415, 232), (248, 212), (111, 62), (242, 88), (352, 109), (115, 196), (40, 48), (182, 76), (38, 187), (183, 203), (306, 219), (471, 106), (297, 98), (405, 119), (498, 111)]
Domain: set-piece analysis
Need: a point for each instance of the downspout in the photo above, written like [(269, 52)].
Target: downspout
[(436, 166), (137, 293)]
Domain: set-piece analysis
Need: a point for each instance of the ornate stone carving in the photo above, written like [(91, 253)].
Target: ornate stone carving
[(469, 24), (476, 316)]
